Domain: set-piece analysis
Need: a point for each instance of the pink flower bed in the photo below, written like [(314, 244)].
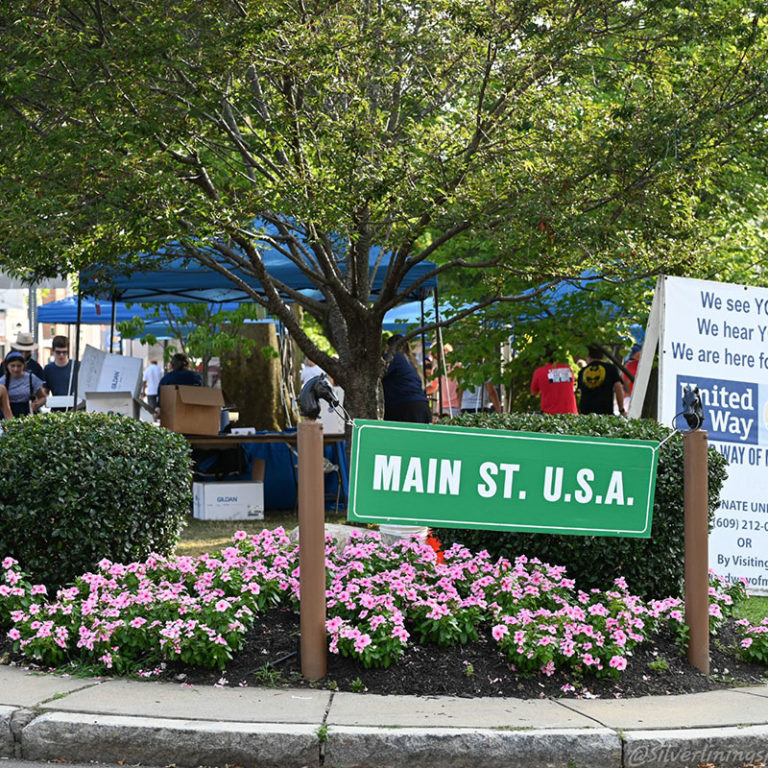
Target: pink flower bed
[(132, 618)]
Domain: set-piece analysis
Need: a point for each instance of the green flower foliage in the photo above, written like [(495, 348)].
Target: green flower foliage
[(653, 567), (78, 488)]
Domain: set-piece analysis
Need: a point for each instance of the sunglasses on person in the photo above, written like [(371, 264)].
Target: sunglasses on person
[(60, 351)]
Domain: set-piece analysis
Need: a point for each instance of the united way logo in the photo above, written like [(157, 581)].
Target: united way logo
[(730, 408)]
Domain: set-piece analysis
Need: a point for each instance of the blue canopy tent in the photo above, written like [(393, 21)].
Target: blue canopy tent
[(97, 312), (179, 279), (169, 275)]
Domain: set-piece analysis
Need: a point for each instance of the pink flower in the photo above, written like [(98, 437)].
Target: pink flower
[(499, 631), (362, 643), (618, 662), (745, 643)]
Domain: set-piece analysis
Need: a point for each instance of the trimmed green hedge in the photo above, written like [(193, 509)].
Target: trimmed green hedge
[(75, 488), (653, 567)]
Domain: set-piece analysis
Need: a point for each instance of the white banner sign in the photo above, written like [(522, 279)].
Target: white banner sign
[(715, 336)]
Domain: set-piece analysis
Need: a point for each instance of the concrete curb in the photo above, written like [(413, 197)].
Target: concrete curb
[(151, 741), (6, 735), (350, 747), (44, 717)]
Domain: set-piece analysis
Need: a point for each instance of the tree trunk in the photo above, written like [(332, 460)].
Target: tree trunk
[(359, 370), (252, 382)]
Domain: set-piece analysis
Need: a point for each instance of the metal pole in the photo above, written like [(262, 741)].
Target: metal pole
[(112, 317), (423, 345), (76, 374), (696, 504), (440, 359), (314, 655)]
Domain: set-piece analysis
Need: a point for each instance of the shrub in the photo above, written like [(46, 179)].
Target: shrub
[(75, 488), (653, 567)]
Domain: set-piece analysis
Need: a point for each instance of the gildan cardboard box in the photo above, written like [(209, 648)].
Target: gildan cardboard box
[(191, 410), (123, 403), (231, 501)]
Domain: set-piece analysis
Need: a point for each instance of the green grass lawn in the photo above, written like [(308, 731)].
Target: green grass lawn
[(201, 536), (755, 609)]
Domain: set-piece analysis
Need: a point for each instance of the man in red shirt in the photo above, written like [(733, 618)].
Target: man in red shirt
[(553, 382)]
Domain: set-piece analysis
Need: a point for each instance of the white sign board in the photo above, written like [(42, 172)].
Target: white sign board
[(715, 336)]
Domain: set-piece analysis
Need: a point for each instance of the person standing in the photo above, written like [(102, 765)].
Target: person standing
[(553, 382), (26, 391), (448, 391), (480, 399), (179, 375), (599, 383), (151, 378), (5, 404), (309, 371), (404, 400), (59, 375), (631, 366), (404, 396), (25, 343)]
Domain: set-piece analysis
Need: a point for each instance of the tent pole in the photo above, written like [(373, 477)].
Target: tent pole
[(441, 370), (112, 323), (423, 344), (77, 348)]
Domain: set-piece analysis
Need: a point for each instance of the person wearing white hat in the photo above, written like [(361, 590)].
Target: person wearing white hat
[(25, 343)]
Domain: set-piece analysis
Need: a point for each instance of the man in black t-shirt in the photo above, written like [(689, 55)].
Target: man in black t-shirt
[(598, 384), (60, 374)]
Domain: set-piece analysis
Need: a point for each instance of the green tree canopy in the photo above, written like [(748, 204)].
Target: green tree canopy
[(516, 142)]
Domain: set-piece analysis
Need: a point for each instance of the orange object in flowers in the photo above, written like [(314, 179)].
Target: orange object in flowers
[(437, 546)]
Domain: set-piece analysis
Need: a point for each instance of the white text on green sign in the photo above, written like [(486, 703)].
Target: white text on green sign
[(517, 481)]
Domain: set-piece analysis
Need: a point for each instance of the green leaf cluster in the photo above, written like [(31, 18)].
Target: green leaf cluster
[(514, 143)]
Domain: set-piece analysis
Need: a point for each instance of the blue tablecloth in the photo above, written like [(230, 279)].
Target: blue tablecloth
[(280, 474)]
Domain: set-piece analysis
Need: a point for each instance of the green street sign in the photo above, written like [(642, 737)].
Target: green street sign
[(457, 477)]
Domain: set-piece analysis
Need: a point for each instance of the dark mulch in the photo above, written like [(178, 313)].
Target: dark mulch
[(270, 656)]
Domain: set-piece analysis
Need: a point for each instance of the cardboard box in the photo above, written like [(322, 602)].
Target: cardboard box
[(191, 410), (123, 403), (230, 501), (63, 401)]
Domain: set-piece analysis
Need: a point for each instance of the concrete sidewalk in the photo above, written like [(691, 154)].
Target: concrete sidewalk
[(44, 717)]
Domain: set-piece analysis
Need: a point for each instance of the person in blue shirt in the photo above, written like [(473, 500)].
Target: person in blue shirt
[(181, 373), (60, 374), (404, 395)]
